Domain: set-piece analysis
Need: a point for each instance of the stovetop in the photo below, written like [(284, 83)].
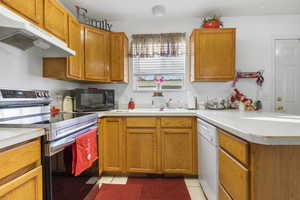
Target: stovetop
[(45, 118)]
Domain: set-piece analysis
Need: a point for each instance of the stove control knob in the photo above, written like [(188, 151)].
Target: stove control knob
[(38, 94)]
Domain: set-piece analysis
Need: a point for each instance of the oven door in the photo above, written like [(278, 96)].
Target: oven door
[(51, 149)]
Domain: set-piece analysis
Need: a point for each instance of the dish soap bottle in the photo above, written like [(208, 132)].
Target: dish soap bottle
[(131, 104)]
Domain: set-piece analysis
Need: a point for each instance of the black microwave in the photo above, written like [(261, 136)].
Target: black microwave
[(89, 100)]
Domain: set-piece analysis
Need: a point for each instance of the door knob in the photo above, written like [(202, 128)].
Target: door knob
[(279, 99), (280, 107)]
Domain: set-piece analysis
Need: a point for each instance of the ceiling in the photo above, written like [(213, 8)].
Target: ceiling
[(141, 9)]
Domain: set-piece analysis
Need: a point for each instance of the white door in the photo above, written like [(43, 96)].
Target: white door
[(287, 93)]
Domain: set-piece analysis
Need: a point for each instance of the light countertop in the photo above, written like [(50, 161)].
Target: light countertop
[(12, 136), (256, 127)]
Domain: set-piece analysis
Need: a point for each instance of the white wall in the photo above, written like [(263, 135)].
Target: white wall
[(23, 70), (254, 52)]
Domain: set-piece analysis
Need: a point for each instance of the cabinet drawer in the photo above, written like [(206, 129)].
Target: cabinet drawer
[(19, 157), (233, 176), (223, 195), (27, 186), (236, 147), (176, 122), (141, 122)]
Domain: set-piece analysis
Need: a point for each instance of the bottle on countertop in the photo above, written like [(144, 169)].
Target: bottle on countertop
[(131, 104)]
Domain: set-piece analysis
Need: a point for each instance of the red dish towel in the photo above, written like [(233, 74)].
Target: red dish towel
[(84, 152)]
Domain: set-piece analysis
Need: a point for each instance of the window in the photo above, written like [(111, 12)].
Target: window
[(162, 57)]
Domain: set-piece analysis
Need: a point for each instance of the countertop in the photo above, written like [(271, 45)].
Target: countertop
[(256, 127), (12, 136)]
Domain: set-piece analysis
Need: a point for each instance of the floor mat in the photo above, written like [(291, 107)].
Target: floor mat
[(162, 188), (119, 192)]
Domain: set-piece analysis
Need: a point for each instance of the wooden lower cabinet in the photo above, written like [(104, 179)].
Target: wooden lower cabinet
[(27, 186), (21, 172), (141, 150), (177, 151), (145, 147), (233, 176), (111, 145), (262, 172), (223, 195)]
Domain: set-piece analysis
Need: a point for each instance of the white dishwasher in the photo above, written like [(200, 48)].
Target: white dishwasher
[(208, 158)]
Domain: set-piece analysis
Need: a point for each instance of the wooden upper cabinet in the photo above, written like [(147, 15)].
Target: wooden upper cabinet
[(31, 10), (212, 54), (96, 51), (56, 19), (141, 149), (177, 151), (118, 57), (74, 69), (70, 67)]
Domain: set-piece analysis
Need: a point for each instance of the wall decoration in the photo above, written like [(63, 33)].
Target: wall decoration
[(212, 22), (258, 75), (97, 23)]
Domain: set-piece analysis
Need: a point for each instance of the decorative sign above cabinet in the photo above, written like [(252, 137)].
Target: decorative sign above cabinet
[(100, 24)]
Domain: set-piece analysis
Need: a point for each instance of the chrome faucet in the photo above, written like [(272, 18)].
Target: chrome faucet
[(168, 103)]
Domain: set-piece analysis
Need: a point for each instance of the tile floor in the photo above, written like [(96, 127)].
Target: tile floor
[(192, 184)]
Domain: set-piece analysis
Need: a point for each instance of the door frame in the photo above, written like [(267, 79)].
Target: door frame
[(274, 64)]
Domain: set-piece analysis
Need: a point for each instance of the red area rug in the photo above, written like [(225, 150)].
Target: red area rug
[(162, 188), (119, 192), (143, 189)]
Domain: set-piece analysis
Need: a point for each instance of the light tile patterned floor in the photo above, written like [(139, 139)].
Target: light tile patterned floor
[(192, 184), (194, 189)]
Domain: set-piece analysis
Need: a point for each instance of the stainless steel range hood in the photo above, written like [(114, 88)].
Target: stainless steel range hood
[(18, 32)]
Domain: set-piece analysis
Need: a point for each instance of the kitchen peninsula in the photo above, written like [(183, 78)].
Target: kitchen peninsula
[(258, 151)]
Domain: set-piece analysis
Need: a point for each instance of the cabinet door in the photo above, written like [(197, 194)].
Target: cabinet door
[(233, 176), (177, 151), (118, 57), (74, 68), (111, 145), (30, 9), (56, 19), (141, 149), (214, 54), (27, 186), (96, 55)]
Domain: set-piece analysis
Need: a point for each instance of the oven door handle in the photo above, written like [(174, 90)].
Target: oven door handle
[(57, 146)]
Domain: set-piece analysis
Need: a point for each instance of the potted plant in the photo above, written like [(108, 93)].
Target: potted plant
[(212, 22)]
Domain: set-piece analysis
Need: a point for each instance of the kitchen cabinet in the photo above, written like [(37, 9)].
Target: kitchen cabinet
[(141, 149), (118, 57), (212, 54), (249, 171), (151, 145), (233, 176), (70, 67), (31, 10), (177, 151), (56, 19), (96, 55), (27, 186), (21, 172), (111, 143), (223, 195)]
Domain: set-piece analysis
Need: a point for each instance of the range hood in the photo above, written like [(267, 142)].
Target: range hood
[(20, 33)]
